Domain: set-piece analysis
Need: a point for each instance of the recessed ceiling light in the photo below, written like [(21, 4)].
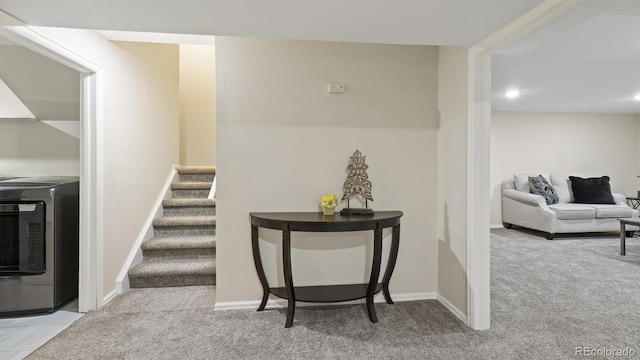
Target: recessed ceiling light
[(636, 97), (512, 94)]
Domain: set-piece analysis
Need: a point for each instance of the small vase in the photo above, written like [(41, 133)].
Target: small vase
[(328, 211)]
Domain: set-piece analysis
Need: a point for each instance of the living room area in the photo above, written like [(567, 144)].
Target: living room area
[(565, 103), (558, 146), (566, 106)]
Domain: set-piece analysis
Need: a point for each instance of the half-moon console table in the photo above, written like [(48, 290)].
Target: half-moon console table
[(317, 222)]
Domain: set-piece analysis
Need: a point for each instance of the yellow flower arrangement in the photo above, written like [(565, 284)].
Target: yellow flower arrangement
[(329, 201)]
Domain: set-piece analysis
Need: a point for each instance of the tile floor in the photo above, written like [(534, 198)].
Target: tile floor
[(19, 336)]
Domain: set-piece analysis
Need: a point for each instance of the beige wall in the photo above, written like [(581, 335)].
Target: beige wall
[(581, 144), (30, 148), (284, 141), (140, 132), (197, 105), (51, 91), (452, 176)]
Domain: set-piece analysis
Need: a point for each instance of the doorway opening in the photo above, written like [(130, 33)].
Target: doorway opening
[(90, 165)]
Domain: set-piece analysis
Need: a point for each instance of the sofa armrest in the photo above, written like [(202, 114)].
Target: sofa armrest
[(528, 210), (620, 199), (527, 198)]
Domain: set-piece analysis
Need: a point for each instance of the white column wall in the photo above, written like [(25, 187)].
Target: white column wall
[(452, 176), (638, 153)]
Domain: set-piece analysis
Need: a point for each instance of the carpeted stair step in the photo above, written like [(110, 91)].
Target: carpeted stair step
[(197, 189), (196, 173), (167, 272), (183, 251), (179, 246), (184, 226), (189, 207)]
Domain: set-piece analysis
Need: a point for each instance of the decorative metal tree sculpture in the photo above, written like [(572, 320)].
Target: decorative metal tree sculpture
[(357, 183)]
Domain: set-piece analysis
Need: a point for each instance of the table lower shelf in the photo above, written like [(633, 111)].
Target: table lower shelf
[(326, 293)]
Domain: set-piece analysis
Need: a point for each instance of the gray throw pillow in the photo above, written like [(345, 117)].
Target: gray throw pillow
[(540, 186)]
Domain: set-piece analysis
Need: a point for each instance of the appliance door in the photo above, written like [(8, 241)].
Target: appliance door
[(22, 238)]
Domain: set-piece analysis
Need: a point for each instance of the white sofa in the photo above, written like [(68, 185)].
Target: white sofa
[(522, 208)]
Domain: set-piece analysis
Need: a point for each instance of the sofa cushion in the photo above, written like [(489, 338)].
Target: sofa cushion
[(562, 185), (522, 182), (591, 190), (573, 211), (604, 211), (540, 186)]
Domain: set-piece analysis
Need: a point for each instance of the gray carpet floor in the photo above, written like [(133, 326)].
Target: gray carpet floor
[(547, 298)]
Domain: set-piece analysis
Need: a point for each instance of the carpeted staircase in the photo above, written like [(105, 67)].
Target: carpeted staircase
[(183, 249)]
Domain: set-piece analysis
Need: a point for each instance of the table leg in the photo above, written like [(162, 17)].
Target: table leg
[(623, 238), (288, 276), (259, 268), (375, 273), (391, 264)]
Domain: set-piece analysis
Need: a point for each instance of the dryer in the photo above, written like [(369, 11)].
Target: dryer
[(39, 236)]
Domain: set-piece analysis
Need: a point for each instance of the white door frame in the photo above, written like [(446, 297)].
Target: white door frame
[(479, 137), (91, 145)]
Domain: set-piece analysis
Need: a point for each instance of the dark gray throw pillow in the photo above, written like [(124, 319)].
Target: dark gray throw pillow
[(595, 190), (540, 186)]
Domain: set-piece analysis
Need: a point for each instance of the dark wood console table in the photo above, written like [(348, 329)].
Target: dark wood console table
[(317, 222)]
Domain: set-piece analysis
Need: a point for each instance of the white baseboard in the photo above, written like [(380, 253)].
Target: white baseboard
[(496, 227), (124, 285), (454, 310), (135, 254), (414, 297), (282, 303), (110, 296)]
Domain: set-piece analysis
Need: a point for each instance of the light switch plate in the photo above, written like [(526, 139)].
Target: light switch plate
[(336, 87)]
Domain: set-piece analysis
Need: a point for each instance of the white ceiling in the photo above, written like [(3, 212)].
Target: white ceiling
[(585, 61), (430, 22)]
